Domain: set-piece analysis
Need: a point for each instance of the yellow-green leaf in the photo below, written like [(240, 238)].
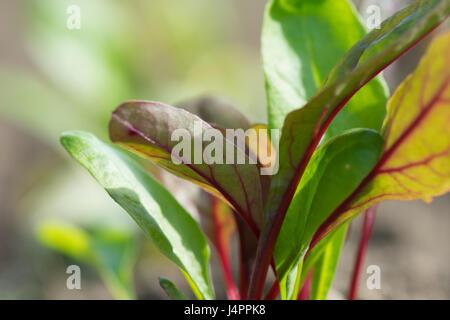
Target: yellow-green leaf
[(416, 160), (325, 266)]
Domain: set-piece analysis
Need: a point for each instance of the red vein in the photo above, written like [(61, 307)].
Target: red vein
[(414, 179), (399, 103), (327, 225), (407, 190), (359, 205), (424, 162), (265, 250)]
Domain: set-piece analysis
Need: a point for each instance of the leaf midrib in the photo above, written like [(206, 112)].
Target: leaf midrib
[(211, 180)]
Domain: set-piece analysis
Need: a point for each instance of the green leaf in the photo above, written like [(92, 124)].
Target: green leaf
[(290, 285), (335, 170), (315, 253), (173, 231), (326, 264), (247, 248), (416, 156), (304, 128), (302, 40), (146, 128), (115, 259), (323, 258), (111, 252), (171, 290)]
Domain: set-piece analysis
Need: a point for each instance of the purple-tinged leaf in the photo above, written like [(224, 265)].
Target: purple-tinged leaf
[(146, 128)]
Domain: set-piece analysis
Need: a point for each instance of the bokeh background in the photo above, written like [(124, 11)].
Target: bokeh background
[(54, 79)]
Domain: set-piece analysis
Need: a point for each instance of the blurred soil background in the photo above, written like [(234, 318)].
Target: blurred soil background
[(177, 50)]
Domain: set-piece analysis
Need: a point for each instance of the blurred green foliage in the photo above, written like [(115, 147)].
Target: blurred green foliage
[(111, 252), (156, 50)]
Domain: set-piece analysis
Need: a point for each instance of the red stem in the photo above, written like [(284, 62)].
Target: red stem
[(266, 248), (369, 219), (273, 292), (305, 293), (247, 248), (248, 243), (230, 285)]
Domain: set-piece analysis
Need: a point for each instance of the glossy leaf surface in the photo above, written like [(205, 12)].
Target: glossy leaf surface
[(301, 43), (173, 231), (416, 159), (303, 128), (326, 265)]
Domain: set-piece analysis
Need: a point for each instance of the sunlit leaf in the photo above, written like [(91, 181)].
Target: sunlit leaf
[(326, 264), (163, 220), (315, 253), (223, 115), (416, 159), (323, 258), (344, 161), (302, 40), (260, 145), (304, 128)]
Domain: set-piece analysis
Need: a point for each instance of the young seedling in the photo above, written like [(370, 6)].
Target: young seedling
[(343, 148)]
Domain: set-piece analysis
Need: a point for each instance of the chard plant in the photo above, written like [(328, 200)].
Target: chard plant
[(343, 147)]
